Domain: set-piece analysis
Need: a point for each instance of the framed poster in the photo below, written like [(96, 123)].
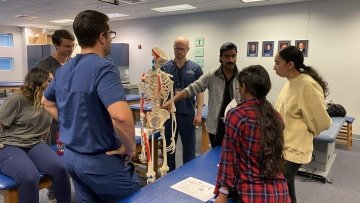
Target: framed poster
[(267, 48), (200, 61), (283, 43), (303, 45), (252, 49), (199, 52), (199, 42)]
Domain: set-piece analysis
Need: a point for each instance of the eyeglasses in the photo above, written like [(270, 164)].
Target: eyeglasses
[(112, 34), (70, 46), (179, 49)]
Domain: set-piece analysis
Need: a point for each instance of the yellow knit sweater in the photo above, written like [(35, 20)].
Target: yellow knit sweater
[(301, 104)]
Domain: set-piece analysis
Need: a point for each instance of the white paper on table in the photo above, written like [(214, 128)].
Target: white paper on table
[(196, 188)]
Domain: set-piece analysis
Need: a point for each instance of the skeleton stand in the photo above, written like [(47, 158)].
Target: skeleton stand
[(155, 87)]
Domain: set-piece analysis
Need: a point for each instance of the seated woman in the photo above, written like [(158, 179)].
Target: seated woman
[(252, 163), (24, 124)]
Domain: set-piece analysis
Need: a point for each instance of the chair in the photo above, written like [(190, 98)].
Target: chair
[(8, 187)]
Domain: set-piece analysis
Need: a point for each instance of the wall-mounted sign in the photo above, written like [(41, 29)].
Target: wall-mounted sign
[(199, 42)]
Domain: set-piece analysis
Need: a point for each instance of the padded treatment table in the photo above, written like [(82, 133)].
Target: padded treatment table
[(8, 187), (345, 134), (132, 98), (10, 85), (147, 107), (203, 168), (324, 154), (135, 108), (204, 134)]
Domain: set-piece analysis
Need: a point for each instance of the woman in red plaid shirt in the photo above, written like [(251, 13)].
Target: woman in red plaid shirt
[(252, 159)]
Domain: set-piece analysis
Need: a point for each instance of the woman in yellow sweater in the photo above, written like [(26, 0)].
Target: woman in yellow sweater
[(301, 104)]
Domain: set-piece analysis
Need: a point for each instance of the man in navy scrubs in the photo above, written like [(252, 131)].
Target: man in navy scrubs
[(96, 124), (184, 72)]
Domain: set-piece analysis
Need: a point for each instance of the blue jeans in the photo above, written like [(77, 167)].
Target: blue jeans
[(23, 165), (186, 129), (100, 177)]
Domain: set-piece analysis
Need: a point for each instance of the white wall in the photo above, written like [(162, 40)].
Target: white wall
[(333, 28), (17, 52)]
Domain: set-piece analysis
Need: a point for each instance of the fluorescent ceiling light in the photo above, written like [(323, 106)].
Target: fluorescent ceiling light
[(174, 8), (116, 15), (26, 17), (115, 2), (132, 2), (63, 21), (249, 1)]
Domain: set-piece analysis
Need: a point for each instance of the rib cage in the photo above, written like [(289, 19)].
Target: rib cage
[(157, 87)]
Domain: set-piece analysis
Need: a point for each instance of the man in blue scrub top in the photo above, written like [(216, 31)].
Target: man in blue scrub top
[(184, 72), (95, 121)]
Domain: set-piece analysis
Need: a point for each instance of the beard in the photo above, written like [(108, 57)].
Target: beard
[(179, 56), (108, 50)]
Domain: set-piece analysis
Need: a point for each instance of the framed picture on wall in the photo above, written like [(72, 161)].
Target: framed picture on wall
[(199, 42), (303, 45), (199, 52), (267, 48), (252, 49), (283, 43)]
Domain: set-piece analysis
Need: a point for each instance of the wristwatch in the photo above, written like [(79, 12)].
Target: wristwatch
[(224, 191)]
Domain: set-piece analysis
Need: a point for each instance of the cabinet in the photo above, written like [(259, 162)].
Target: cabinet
[(35, 53), (40, 38), (119, 54)]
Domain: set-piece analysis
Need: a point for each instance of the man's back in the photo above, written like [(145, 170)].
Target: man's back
[(85, 86), (88, 100)]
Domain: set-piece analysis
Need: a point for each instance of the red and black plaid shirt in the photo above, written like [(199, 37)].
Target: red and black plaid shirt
[(240, 165)]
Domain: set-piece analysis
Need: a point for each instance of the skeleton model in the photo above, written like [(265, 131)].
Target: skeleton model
[(154, 88)]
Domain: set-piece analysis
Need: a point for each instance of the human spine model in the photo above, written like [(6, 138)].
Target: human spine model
[(154, 88)]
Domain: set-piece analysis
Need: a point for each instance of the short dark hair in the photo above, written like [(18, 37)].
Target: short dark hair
[(61, 34), (226, 47), (88, 25)]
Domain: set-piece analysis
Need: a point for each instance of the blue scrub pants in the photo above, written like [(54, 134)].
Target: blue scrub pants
[(23, 165), (99, 177), (186, 129)]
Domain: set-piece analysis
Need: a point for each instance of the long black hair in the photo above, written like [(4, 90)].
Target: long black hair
[(257, 82), (292, 53)]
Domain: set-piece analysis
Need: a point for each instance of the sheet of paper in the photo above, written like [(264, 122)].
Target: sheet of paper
[(196, 188)]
